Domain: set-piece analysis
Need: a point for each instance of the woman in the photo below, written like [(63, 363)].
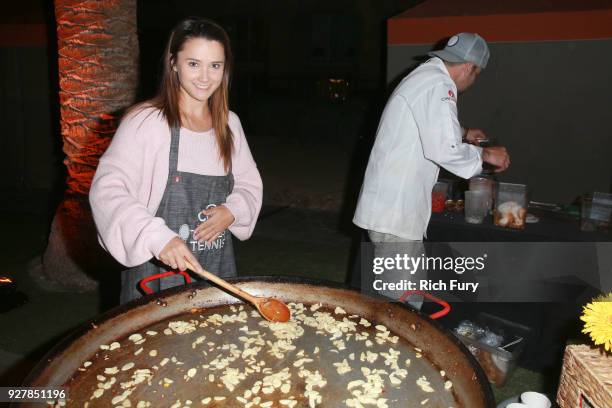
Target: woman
[(178, 179)]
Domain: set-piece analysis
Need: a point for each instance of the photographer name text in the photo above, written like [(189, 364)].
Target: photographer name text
[(426, 284)]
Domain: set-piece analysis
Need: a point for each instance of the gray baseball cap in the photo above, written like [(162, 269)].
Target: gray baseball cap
[(464, 47)]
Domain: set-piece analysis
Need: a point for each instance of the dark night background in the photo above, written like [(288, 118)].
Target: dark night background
[(286, 53), (310, 81)]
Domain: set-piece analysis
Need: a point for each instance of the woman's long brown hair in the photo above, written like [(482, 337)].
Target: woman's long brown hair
[(167, 99)]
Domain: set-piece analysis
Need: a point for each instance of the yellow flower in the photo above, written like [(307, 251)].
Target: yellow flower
[(597, 316)]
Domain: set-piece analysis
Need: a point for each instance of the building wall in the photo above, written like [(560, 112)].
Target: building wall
[(549, 103), (29, 149), (30, 144)]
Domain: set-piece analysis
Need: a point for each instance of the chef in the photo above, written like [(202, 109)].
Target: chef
[(418, 133)]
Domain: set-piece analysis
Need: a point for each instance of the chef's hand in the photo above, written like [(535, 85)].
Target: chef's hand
[(474, 136), (175, 253), (219, 218), (497, 156)]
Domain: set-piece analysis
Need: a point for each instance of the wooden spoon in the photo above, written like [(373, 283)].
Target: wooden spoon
[(271, 309)]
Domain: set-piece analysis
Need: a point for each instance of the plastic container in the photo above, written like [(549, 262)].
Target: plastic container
[(480, 183), (438, 196), (497, 362), (596, 212), (510, 205), (476, 206)]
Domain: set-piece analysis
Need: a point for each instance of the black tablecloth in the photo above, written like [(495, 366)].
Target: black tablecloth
[(452, 227)]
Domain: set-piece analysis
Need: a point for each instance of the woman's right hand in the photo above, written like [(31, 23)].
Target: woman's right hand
[(175, 253)]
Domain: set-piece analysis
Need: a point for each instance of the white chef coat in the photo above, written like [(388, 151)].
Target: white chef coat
[(418, 132)]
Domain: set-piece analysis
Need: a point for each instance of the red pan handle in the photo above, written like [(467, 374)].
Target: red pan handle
[(148, 290), (445, 306)]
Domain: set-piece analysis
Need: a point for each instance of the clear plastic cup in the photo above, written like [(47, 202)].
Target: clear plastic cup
[(476, 206), (480, 183)]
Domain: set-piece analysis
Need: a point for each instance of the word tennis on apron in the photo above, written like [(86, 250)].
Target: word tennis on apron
[(186, 234)]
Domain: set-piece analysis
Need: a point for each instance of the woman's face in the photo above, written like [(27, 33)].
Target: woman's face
[(200, 65)]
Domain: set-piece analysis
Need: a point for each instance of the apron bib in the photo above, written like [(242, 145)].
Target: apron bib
[(185, 196)]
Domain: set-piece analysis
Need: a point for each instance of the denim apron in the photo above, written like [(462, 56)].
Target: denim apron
[(185, 196)]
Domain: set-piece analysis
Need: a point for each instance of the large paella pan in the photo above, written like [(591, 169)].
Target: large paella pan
[(198, 346)]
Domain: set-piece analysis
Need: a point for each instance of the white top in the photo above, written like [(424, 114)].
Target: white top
[(418, 132)]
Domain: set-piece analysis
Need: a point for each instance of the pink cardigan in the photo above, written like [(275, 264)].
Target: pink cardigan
[(131, 178)]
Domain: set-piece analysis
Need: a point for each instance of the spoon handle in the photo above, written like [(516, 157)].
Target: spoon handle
[(221, 282)]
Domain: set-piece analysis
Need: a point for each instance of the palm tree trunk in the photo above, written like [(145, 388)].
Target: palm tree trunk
[(98, 57)]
